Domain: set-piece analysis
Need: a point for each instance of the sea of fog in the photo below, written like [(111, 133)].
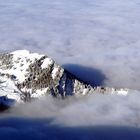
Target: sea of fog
[(95, 116), (99, 35), (97, 40)]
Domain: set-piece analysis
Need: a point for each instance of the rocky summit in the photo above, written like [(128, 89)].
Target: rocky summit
[(25, 76)]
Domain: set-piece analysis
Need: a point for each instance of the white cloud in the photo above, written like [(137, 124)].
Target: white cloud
[(98, 34), (91, 116)]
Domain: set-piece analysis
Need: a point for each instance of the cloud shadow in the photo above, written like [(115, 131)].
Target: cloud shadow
[(31, 128), (92, 76)]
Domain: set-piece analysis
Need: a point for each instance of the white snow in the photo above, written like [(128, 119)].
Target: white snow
[(26, 53), (20, 53), (21, 61), (122, 92), (27, 90), (85, 91), (39, 93), (54, 72), (9, 90), (46, 63)]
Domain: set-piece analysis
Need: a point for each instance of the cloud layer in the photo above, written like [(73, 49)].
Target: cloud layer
[(93, 116), (99, 34), (90, 110)]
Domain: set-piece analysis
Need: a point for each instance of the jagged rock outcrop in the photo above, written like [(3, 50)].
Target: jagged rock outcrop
[(33, 75)]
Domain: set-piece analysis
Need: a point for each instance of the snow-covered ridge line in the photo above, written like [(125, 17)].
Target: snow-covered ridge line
[(30, 75)]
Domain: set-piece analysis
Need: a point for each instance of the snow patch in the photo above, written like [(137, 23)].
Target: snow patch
[(39, 93), (46, 63), (122, 92), (54, 72), (85, 91), (9, 93)]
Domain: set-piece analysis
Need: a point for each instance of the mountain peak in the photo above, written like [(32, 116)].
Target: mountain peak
[(26, 76)]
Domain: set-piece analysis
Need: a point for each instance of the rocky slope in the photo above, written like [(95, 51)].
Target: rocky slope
[(25, 76)]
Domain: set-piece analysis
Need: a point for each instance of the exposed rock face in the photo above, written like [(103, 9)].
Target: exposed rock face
[(35, 75)]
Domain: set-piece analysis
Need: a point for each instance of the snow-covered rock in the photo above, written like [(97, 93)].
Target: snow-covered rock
[(25, 75)]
